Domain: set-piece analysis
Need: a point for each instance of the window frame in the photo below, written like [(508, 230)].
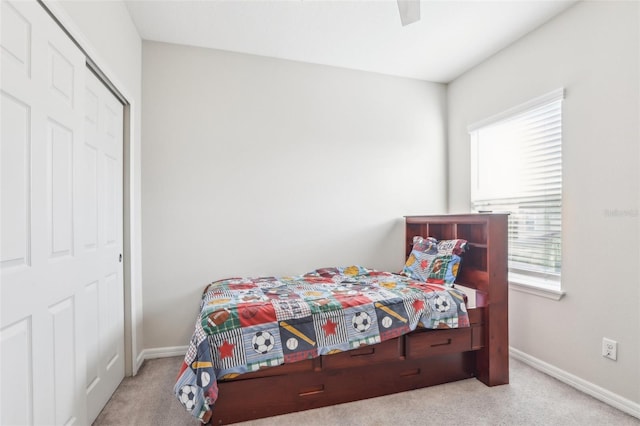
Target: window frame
[(524, 282)]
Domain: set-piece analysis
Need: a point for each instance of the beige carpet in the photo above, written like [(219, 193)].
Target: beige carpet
[(532, 398)]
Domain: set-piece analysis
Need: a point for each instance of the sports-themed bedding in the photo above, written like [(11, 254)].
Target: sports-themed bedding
[(246, 324)]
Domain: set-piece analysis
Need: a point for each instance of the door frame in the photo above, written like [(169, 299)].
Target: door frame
[(132, 236)]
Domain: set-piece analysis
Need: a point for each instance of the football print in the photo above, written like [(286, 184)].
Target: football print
[(263, 342), (361, 321), (218, 317), (437, 265), (187, 396)]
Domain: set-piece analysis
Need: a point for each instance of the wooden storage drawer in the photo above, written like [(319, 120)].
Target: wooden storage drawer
[(437, 342), (307, 365), (366, 355), (476, 316)]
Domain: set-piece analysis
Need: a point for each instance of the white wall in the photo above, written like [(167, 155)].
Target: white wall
[(259, 166), (592, 50), (105, 30)]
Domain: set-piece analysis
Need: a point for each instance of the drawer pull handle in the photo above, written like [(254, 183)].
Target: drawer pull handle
[(313, 390), (409, 373), (363, 352), (448, 342)]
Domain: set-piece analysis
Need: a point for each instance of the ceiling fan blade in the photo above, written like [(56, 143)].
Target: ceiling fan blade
[(409, 11)]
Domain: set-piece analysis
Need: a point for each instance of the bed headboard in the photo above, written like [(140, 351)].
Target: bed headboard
[(485, 260), (483, 267)]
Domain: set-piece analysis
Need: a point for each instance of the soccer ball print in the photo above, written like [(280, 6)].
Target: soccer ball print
[(361, 326), (262, 346), (442, 303), (187, 396), (262, 342), (361, 321)]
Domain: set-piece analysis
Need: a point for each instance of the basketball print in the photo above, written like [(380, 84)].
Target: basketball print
[(249, 312)]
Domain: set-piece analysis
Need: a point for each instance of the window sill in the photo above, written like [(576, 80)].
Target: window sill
[(537, 290)]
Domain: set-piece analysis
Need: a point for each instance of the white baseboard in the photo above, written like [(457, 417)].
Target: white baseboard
[(165, 352), (608, 397), (153, 353), (139, 361)]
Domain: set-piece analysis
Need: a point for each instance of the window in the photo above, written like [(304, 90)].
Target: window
[(516, 166)]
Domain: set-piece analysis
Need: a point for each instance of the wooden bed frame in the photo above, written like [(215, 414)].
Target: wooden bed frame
[(419, 359)]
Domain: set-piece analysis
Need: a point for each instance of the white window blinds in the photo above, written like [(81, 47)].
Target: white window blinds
[(517, 167)]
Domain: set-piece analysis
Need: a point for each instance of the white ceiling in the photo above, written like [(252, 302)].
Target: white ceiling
[(452, 36)]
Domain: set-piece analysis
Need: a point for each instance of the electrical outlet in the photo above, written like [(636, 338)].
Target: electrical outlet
[(609, 348)]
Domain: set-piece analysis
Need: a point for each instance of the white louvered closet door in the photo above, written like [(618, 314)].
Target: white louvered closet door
[(55, 273)]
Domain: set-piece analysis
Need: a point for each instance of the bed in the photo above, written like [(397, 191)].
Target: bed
[(341, 334)]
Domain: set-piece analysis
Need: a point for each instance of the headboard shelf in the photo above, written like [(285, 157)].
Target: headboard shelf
[(474, 233), (484, 268), (485, 232)]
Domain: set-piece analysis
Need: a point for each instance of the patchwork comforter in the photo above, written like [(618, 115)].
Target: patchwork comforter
[(250, 323)]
